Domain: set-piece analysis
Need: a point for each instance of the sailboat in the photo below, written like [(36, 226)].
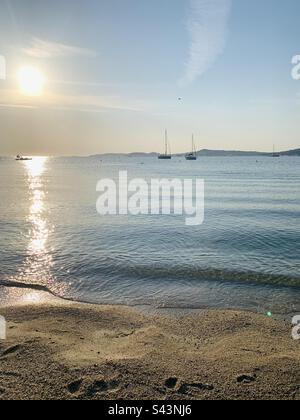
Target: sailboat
[(167, 155), (193, 154), (275, 154)]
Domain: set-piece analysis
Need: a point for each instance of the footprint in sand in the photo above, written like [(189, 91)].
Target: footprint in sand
[(186, 388), (74, 387), (171, 383), (246, 379), (102, 386), (98, 386)]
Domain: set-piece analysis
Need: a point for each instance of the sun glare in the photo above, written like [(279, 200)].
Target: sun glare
[(31, 81)]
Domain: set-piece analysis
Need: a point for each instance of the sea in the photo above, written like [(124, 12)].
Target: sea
[(245, 255)]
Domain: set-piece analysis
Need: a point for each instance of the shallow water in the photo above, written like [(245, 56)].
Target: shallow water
[(245, 255)]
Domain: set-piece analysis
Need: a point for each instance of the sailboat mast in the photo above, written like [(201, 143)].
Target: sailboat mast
[(193, 154), (166, 155), (166, 142)]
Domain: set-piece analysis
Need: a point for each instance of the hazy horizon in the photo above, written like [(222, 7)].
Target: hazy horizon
[(137, 152), (115, 73)]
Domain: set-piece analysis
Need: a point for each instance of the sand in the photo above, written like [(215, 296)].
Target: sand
[(76, 351)]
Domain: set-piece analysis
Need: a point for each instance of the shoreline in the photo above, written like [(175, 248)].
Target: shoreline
[(80, 351), (41, 294)]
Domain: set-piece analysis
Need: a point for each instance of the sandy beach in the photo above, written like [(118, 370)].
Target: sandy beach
[(76, 351)]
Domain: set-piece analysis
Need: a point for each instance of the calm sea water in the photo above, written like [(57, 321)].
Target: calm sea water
[(245, 255)]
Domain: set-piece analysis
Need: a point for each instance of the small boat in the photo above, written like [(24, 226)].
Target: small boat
[(193, 154), (22, 159), (167, 155)]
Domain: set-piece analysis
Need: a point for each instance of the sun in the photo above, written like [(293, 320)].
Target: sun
[(31, 81)]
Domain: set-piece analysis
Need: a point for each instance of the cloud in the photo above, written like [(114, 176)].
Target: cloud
[(40, 48), (17, 106), (208, 29), (74, 103), (90, 103)]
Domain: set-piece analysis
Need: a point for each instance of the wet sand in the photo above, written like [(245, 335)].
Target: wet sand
[(76, 351)]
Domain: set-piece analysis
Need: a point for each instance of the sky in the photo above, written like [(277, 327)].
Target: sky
[(119, 72)]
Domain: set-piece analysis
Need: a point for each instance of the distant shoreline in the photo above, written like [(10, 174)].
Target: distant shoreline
[(203, 152)]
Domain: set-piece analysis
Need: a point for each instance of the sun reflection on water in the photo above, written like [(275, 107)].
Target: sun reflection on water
[(39, 260), (35, 167), (39, 227), (36, 268)]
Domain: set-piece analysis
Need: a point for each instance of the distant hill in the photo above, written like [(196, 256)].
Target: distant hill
[(130, 155), (225, 153), (204, 152), (295, 152)]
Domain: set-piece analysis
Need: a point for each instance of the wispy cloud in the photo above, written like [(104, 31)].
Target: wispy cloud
[(40, 48), (17, 106), (208, 28), (73, 103)]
